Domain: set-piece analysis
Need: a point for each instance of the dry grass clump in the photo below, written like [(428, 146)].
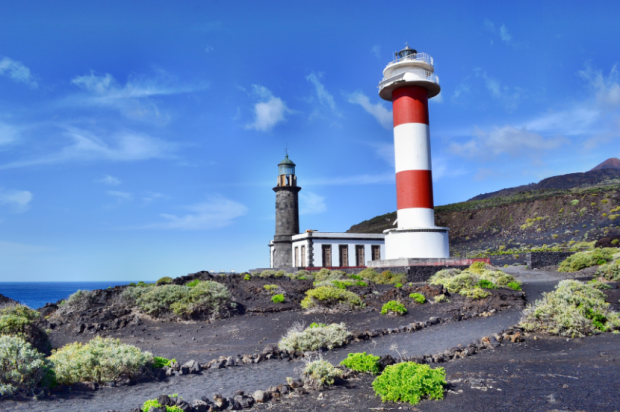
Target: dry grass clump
[(472, 281), (328, 298), (100, 360), (314, 337), (586, 259), (204, 298), (573, 309)]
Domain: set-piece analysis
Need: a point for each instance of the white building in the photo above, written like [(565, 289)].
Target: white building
[(330, 249)]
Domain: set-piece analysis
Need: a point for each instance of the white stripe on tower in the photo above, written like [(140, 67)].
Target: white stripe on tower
[(414, 185)]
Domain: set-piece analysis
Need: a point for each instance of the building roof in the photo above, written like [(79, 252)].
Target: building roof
[(286, 161)]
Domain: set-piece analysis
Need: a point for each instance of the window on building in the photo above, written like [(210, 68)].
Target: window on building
[(359, 255), (327, 255), (344, 255), (303, 255), (376, 252), (296, 256)]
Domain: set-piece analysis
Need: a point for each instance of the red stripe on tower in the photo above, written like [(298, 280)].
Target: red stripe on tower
[(410, 105)]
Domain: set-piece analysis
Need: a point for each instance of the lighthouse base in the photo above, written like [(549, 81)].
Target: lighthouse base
[(419, 243)]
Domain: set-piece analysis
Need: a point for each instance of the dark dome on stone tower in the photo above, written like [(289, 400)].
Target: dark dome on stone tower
[(286, 167)]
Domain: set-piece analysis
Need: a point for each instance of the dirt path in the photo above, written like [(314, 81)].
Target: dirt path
[(261, 376)]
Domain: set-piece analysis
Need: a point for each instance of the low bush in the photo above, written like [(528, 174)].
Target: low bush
[(79, 301), (441, 299), (300, 275), (597, 284), (21, 321), (316, 325), (475, 293), (398, 285), (362, 363), (315, 338), (166, 280), (573, 309), (153, 403), (514, 286), (320, 373), (205, 298), (192, 283), (610, 271), (356, 277), (479, 275), (270, 288), (410, 382), (22, 367), (277, 298), (486, 284), (330, 298), (160, 362), (267, 273), (247, 276), (588, 258), (100, 360), (418, 297), (279, 274), (393, 308)]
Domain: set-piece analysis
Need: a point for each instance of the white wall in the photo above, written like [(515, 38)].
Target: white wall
[(335, 243)]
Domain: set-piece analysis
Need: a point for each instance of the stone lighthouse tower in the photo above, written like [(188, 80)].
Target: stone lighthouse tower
[(287, 214), (408, 82)]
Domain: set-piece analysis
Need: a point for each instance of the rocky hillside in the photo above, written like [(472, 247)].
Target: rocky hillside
[(613, 163), (524, 220)]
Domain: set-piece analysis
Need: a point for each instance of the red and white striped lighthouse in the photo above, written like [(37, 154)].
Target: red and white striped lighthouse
[(408, 82)]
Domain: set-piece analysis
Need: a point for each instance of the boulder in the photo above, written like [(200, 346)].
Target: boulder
[(192, 366), (164, 400), (261, 396), (200, 406)]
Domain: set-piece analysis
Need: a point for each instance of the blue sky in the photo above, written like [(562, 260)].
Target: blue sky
[(141, 139)]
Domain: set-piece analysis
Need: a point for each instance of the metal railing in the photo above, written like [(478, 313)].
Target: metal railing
[(423, 57), (422, 74)]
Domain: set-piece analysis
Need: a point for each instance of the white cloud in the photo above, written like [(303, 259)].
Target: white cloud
[(325, 98), (85, 145), (150, 197), (378, 111), (16, 200), (311, 203), (506, 140), (108, 180), (133, 99), (120, 197), (376, 50), (510, 98), (269, 111), (216, 212), (17, 71), (209, 49), (607, 89), (8, 134), (503, 33)]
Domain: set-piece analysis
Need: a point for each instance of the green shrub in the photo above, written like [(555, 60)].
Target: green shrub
[(270, 288), (277, 298), (330, 298), (247, 277), (597, 284), (410, 382), (393, 308), (615, 242), (475, 293), (21, 366), (361, 283), (300, 275), (441, 299), (316, 325), (486, 284), (362, 363), (79, 301), (610, 271), (588, 258), (279, 274), (463, 282), (321, 373), (21, 321), (205, 298), (160, 362), (418, 297), (398, 285), (514, 285), (153, 403), (311, 339), (166, 280), (267, 273), (356, 277), (192, 283), (574, 202), (573, 309), (340, 284), (100, 360)]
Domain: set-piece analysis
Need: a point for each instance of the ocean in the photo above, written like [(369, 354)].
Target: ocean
[(37, 294)]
